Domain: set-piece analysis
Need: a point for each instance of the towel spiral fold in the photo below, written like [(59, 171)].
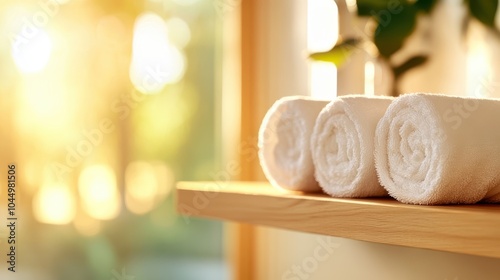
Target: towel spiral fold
[(284, 138), (342, 146), (436, 149)]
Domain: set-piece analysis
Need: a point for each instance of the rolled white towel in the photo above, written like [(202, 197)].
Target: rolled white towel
[(436, 149), (284, 139), (342, 146)]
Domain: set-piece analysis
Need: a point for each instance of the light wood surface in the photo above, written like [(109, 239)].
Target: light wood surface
[(468, 229)]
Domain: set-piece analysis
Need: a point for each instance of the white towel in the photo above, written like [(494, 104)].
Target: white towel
[(436, 149), (284, 139), (342, 146)]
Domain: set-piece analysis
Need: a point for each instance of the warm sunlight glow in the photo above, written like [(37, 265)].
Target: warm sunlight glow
[(54, 204), (323, 80), (369, 78), (155, 61), (322, 25), (31, 53), (41, 102), (145, 183), (322, 34), (478, 84), (45, 101), (99, 193)]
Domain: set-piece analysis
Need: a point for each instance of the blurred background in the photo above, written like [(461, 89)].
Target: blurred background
[(105, 104)]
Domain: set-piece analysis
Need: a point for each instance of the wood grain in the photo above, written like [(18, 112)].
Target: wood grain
[(468, 229)]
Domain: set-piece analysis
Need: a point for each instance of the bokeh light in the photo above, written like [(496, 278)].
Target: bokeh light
[(31, 53), (54, 204), (98, 192), (178, 32), (155, 61), (145, 184)]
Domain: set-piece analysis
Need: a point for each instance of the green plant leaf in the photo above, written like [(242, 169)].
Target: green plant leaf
[(338, 54), (484, 10), (425, 5), (370, 7), (412, 62), (393, 29)]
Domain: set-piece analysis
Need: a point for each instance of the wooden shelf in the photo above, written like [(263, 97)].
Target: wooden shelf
[(468, 229)]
